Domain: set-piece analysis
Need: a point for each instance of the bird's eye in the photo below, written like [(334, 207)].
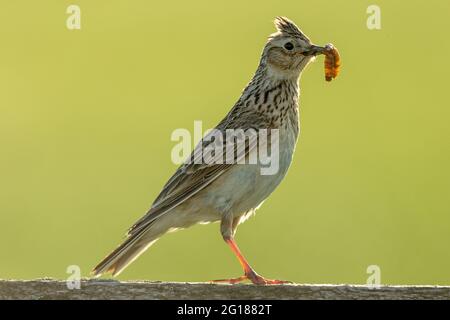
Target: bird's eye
[(288, 46)]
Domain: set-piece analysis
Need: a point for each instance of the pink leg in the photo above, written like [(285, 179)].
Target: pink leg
[(249, 273)]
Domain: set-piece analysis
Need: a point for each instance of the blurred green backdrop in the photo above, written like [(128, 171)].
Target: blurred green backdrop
[(86, 118)]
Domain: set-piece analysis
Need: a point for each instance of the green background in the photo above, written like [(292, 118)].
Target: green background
[(86, 118)]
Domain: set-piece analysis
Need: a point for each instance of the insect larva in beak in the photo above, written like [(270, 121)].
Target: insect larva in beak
[(332, 62)]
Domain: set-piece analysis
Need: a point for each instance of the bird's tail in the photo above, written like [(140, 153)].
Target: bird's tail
[(127, 252)]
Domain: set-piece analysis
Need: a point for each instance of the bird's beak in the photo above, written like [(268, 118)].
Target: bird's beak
[(314, 50)]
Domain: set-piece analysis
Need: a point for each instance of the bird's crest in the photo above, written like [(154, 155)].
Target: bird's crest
[(287, 27)]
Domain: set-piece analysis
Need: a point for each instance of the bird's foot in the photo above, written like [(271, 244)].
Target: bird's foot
[(230, 281), (254, 278)]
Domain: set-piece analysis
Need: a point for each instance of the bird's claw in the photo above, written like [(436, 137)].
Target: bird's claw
[(254, 278), (230, 281)]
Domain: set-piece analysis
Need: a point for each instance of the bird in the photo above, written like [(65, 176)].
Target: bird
[(229, 193)]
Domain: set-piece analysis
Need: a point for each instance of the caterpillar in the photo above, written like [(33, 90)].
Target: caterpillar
[(332, 62)]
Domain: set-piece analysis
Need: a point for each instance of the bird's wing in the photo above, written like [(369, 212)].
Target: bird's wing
[(194, 175)]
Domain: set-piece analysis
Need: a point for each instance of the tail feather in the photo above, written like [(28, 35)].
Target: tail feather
[(126, 253)]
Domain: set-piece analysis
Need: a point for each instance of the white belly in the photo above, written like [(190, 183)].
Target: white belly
[(242, 189)]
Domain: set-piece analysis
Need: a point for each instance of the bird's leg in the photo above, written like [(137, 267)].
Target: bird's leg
[(249, 273), (228, 229)]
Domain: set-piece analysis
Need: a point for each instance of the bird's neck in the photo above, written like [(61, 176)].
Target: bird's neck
[(267, 90), (271, 76), (274, 98)]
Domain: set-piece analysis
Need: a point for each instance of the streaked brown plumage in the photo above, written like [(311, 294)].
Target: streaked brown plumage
[(230, 193)]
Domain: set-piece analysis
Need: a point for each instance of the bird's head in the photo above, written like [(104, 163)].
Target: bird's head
[(288, 51)]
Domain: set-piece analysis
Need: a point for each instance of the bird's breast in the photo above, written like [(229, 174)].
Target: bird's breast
[(245, 186)]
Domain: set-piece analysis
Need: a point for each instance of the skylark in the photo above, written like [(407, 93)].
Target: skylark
[(231, 192)]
